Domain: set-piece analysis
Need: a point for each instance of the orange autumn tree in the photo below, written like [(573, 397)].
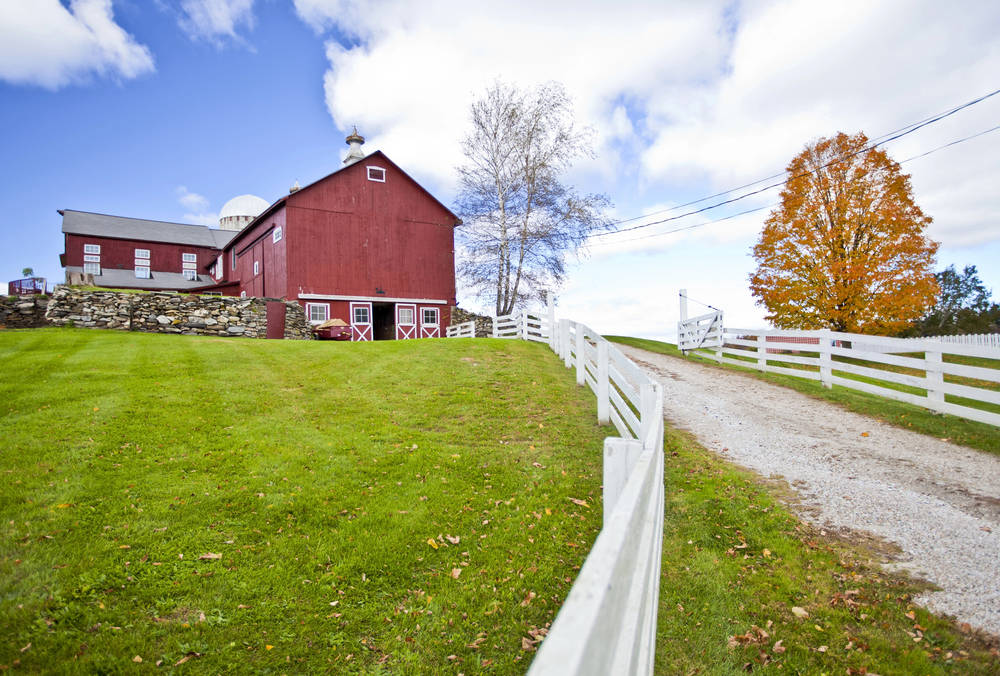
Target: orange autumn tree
[(845, 250)]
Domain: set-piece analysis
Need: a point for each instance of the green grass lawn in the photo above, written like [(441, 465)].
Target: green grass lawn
[(318, 472), (970, 433), (287, 507)]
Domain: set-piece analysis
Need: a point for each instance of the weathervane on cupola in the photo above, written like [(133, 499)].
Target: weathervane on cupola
[(355, 140)]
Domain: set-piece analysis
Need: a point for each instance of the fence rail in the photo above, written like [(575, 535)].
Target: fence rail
[(814, 350), (607, 625), (466, 330)]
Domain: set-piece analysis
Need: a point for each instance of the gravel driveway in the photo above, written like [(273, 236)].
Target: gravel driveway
[(938, 501)]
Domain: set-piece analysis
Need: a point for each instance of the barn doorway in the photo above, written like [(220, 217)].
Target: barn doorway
[(383, 321)]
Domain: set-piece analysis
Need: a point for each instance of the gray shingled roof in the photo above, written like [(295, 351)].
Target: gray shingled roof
[(119, 227), (114, 278)]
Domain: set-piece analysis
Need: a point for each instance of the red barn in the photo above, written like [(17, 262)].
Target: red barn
[(366, 244)]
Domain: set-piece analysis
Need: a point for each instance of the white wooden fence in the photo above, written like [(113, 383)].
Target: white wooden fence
[(762, 347), (979, 340), (607, 625), (701, 331), (466, 330)]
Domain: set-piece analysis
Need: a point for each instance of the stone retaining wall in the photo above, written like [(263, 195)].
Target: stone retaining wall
[(172, 313), (23, 312), (484, 325)]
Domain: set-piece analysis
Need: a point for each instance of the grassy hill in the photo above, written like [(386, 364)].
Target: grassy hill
[(234, 506), (287, 507)]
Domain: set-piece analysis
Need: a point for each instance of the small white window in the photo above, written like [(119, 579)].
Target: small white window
[(141, 272), (430, 316), (318, 312), (92, 248), (276, 237), (92, 268), (376, 174), (256, 267), (190, 266), (92, 259), (141, 262), (191, 275), (232, 256), (406, 316), (189, 258), (142, 253), (215, 270), (361, 315), (243, 294)]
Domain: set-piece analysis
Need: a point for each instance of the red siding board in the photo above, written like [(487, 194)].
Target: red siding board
[(163, 257)]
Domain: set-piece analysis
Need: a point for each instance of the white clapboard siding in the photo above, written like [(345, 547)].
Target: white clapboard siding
[(924, 355)]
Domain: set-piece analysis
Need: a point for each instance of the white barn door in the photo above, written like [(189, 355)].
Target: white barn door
[(361, 321), (406, 322), (430, 322)]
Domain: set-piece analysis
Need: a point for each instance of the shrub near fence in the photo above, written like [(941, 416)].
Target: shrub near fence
[(964, 390), (607, 624)]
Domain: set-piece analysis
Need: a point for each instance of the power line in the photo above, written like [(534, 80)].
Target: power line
[(699, 302), (749, 211), (891, 136)]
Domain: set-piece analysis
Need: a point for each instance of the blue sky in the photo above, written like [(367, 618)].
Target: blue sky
[(167, 109)]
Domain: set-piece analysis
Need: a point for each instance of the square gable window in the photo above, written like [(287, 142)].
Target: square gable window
[(91, 248), (141, 272), (189, 258), (142, 253), (191, 275), (376, 174)]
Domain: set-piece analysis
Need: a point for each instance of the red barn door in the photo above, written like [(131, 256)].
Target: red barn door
[(361, 321), (430, 322), (406, 322)]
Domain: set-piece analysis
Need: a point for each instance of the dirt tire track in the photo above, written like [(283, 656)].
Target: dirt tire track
[(939, 502)]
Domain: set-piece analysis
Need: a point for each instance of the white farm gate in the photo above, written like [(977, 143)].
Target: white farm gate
[(607, 625)]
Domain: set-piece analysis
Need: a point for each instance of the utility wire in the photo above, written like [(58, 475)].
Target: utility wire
[(886, 138), (749, 211), (699, 302)]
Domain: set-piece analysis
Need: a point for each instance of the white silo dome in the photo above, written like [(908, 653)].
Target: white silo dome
[(239, 211)]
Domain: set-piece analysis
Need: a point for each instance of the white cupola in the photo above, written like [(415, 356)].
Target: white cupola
[(355, 140)]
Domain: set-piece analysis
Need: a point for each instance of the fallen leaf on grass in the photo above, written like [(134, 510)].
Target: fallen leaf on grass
[(582, 503), (822, 649), (453, 540), (912, 615), (242, 607), (431, 542), (527, 644), (137, 659), (527, 599), (267, 647), (209, 556), (455, 572), (799, 612), (125, 547), (25, 648), (63, 506), (193, 654), (778, 648)]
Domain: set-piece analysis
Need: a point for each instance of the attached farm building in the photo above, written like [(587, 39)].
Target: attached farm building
[(366, 244)]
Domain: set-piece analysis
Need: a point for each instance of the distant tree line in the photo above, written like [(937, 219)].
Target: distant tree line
[(963, 307)]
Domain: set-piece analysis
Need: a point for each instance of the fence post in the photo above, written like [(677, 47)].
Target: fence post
[(825, 360), (551, 319), (603, 384), (684, 316), (762, 351), (722, 338), (568, 347), (581, 354), (935, 376), (647, 402), (496, 333), (524, 325)]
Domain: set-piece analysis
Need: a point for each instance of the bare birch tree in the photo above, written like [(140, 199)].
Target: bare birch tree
[(521, 222)]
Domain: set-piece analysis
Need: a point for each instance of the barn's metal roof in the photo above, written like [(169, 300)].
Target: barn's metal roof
[(113, 278), (119, 227)]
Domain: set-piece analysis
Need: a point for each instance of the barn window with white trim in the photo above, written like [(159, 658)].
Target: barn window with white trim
[(361, 315), (430, 316), (318, 312)]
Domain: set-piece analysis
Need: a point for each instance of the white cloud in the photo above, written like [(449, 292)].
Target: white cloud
[(216, 19), (689, 98), (43, 43), (199, 204)]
